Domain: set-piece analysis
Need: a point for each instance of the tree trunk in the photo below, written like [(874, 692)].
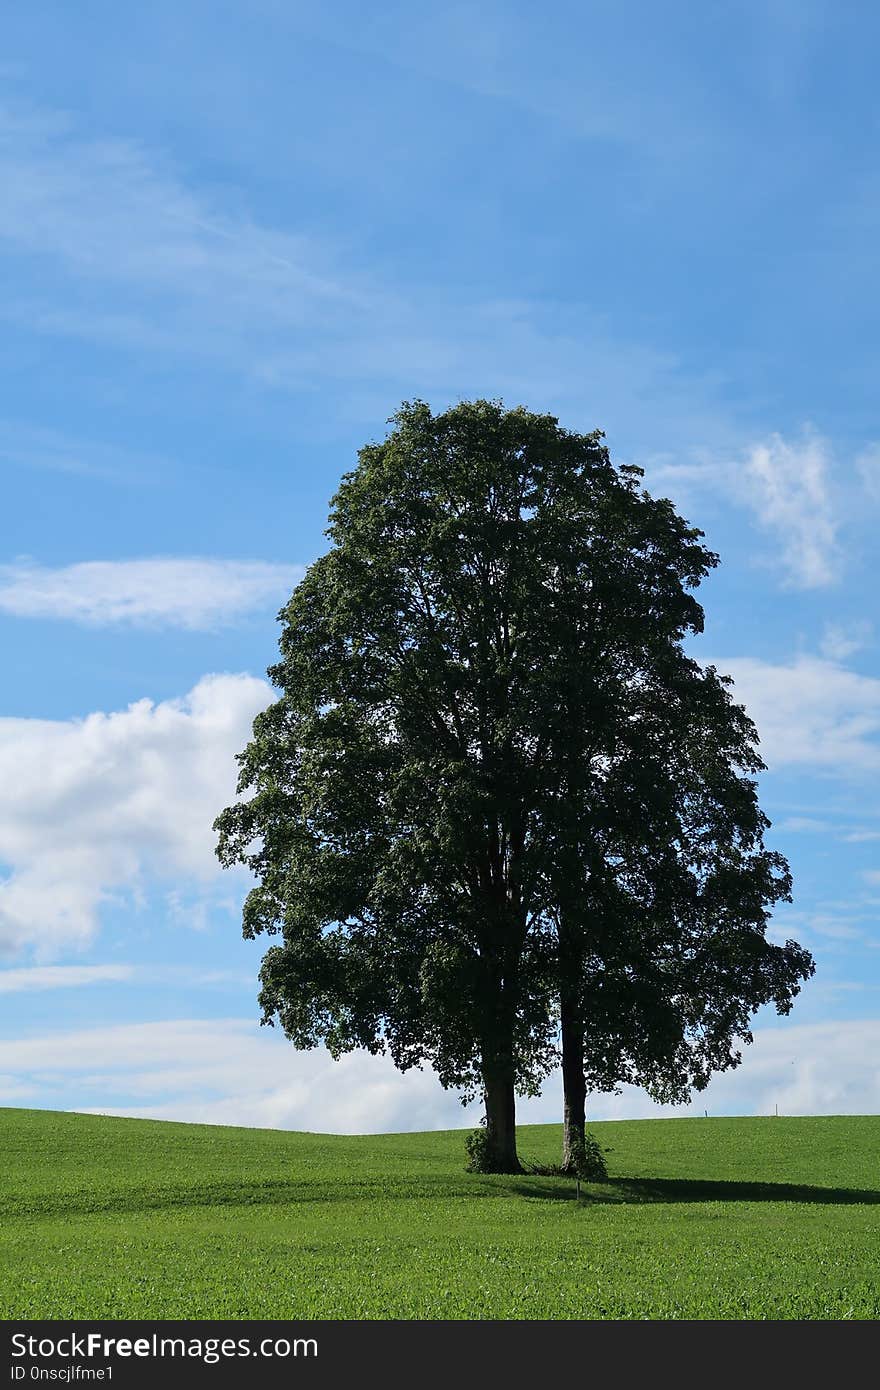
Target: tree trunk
[(573, 1086), (500, 1100)]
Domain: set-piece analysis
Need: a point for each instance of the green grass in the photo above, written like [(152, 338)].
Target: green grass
[(727, 1218)]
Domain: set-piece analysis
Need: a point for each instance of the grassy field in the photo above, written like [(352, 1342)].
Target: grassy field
[(726, 1218)]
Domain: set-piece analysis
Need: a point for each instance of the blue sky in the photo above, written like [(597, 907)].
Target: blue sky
[(232, 239)]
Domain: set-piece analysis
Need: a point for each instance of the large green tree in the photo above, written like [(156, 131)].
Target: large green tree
[(459, 810)]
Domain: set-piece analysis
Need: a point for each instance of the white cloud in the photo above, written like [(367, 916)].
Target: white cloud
[(24, 979), (91, 806), (788, 492), (804, 1069), (40, 977), (786, 486), (228, 1071), (805, 825), (810, 712), (189, 593)]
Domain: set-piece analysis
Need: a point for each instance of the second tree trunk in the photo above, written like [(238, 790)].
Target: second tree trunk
[(574, 1087)]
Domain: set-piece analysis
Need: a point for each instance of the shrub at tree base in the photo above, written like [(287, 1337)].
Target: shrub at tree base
[(587, 1160), (479, 1152)]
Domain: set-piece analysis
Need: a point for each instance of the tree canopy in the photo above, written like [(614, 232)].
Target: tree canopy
[(495, 798)]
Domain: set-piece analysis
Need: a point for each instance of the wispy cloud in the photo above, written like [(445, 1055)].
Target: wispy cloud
[(140, 257), (843, 639), (53, 451), (136, 257), (41, 977), (791, 499), (806, 825), (835, 928), (37, 978), (92, 808), (786, 485), (170, 591), (533, 64), (868, 466), (109, 211), (848, 827)]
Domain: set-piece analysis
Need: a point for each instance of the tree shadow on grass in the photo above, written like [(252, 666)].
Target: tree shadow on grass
[(620, 1190), (547, 1187)]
